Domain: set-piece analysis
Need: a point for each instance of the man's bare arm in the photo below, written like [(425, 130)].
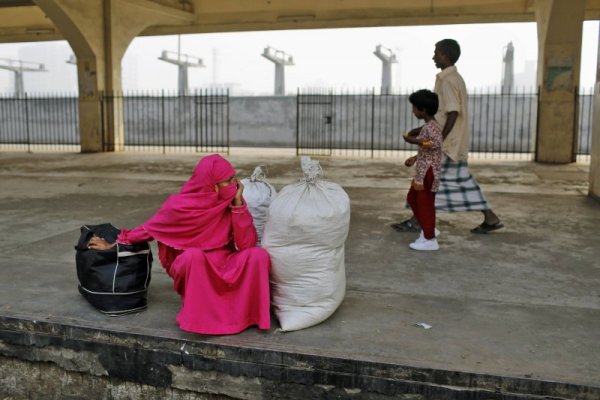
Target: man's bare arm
[(450, 121)]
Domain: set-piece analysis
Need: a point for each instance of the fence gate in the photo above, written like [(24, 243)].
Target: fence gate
[(314, 124), (362, 124)]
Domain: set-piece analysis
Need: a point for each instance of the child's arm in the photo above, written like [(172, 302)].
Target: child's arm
[(412, 133), (419, 140), (415, 131), (424, 139), (413, 140), (410, 161)]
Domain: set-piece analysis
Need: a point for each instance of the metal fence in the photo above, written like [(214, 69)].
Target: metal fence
[(328, 123), (39, 122), (371, 124), (503, 125), (198, 122), (586, 114), (150, 122)]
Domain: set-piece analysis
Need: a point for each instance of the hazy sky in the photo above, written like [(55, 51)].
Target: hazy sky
[(339, 58), (334, 58)]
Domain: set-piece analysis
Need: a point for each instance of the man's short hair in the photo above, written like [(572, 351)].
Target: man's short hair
[(425, 100), (449, 47)]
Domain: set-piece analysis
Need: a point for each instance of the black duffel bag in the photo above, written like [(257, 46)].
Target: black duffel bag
[(115, 281)]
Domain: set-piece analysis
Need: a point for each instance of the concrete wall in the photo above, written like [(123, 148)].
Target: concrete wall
[(262, 121)]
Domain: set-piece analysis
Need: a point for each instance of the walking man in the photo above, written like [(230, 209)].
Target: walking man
[(458, 189)]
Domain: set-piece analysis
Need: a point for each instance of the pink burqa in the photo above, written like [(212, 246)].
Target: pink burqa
[(208, 247)]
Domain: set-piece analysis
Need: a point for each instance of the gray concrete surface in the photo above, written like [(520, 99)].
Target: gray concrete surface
[(522, 303)]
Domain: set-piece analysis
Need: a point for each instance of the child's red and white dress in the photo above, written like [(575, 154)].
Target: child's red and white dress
[(421, 196)]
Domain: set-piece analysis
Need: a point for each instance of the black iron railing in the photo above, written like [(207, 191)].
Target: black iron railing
[(503, 123), (327, 122), (35, 122), (372, 124), (586, 114), (198, 122)]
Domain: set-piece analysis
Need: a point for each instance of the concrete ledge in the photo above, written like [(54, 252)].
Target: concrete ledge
[(202, 367)]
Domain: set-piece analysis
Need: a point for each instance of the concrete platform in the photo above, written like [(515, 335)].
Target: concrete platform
[(515, 314)]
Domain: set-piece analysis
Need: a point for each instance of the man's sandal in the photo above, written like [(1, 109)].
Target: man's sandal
[(486, 228), (406, 226)]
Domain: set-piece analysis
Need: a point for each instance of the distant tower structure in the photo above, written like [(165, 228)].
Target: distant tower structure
[(508, 69), (281, 59), (183, 62), (387, 57), (19, 67)]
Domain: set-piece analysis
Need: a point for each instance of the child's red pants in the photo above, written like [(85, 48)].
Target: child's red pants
[(422, 203)]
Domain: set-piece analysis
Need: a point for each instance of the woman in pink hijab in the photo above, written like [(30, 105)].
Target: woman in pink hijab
[(207, 244)]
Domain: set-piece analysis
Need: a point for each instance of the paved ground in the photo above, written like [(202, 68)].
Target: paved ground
[(523, 302)]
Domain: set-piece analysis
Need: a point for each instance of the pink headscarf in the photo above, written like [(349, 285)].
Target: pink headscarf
[(196, 217)]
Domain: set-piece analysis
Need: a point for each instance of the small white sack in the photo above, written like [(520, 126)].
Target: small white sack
[(307, 226), (258, 194)]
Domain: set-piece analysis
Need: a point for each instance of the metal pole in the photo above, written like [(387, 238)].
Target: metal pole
[(331, 126), (27, 124), (227, 116), (162, 118), (195, 102), (298, 122), (372, 121)]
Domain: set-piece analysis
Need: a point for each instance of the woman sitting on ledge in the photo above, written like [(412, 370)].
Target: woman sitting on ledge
[(206, 241)]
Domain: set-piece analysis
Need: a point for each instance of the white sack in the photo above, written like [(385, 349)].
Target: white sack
[(258, 194), (307, 226)]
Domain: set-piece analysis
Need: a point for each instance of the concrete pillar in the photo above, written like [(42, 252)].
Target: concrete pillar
[(386, 78), (99, 34), (387, 58), (280, 59), (594, 188), (279, 89), (508, 69), (560, 25)]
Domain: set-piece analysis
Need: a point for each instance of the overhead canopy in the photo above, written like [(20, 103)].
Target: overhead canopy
[(22, 20)]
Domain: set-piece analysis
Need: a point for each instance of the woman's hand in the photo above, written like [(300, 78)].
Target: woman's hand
[(97, 243), (238, 200)]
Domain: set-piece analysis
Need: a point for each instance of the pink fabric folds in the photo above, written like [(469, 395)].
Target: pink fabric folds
[(196, 217), (207, 247), (222, 292)]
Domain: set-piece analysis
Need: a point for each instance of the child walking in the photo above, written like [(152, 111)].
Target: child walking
[(421, 196)]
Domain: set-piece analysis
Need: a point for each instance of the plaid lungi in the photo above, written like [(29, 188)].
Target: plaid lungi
[(458, 189)]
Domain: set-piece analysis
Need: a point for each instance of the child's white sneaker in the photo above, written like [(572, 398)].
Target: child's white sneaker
[(422, 236), (425, 245)]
